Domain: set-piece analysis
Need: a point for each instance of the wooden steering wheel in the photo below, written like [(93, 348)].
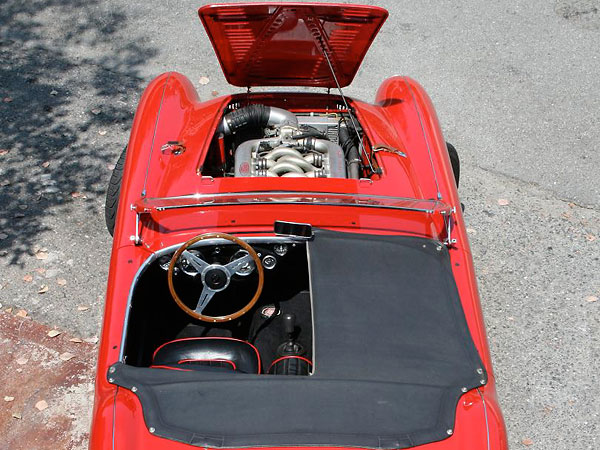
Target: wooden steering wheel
[(215, 277)]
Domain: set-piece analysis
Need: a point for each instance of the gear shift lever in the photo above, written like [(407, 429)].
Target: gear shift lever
[(290, 347), (289, 324)]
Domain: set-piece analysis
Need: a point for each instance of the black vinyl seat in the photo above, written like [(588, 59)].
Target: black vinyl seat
[(202, 353)]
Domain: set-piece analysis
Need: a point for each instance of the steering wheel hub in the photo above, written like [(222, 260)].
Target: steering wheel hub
[(216, 277)]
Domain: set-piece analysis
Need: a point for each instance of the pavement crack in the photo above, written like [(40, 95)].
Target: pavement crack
[(545, 190)]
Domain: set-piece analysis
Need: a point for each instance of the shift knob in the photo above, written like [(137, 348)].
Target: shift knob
[(290, 347), (289, 323)]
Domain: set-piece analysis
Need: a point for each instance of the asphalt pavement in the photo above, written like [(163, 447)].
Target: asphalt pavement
[(516, 88)]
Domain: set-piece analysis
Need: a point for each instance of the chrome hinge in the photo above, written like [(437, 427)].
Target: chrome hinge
[(136, 238), (172, 148), (449, 222), (388, 149)]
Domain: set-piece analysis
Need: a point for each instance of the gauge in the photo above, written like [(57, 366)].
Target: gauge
[(269, 262), (247, 268), (280, 249), (164, 261)]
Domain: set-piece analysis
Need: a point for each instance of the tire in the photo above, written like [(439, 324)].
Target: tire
[(453, 154), (112, 193)]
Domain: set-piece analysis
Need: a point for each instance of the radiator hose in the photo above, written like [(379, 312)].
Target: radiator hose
[(256, 117), (351, 151)]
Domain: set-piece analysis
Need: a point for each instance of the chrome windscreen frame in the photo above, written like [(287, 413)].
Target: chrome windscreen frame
[(149, 205), (156, 205)]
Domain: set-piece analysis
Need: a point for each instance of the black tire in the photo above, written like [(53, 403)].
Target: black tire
[(112, 193), (453, 154)]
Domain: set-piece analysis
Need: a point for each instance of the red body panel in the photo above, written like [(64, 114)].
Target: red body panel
[(401, 117), (267, 44)]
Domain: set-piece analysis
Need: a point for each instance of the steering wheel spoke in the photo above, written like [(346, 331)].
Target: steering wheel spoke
[(198, 263), (237, 264), (205, 297)]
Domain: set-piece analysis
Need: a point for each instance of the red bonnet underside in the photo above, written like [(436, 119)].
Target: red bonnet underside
[(283, 44)]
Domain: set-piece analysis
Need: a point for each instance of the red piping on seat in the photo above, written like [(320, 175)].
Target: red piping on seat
[(170, 368), (211, 337), (183, 361), (289, 357)]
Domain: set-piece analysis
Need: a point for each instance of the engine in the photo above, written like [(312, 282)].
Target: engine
[(290, 153), (291, 145)]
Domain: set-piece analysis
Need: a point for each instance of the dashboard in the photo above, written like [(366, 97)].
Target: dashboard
[(270, 254)]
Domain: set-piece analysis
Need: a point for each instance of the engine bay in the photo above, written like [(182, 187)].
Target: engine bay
[(266, 141)]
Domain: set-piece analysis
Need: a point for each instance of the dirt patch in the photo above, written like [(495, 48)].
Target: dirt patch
[(583, 13), (47, 400)]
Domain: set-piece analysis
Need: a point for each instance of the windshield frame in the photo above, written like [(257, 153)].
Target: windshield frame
[(146, 205)]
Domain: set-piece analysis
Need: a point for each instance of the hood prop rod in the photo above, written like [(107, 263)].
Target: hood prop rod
[(361, 146)]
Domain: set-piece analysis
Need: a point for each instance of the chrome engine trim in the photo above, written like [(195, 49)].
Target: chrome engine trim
[(286, 155)]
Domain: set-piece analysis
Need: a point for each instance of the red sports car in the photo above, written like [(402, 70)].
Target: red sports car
[(291, 269)]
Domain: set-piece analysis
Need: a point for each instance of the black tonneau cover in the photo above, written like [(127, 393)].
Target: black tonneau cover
[(392, 355)]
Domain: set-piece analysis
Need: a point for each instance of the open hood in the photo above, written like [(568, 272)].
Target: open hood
[(283, 44)]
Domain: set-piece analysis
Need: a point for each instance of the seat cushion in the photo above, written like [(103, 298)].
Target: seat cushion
[(202, 353)]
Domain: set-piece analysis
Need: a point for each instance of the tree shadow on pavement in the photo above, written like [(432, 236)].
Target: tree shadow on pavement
[(69, 82)]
